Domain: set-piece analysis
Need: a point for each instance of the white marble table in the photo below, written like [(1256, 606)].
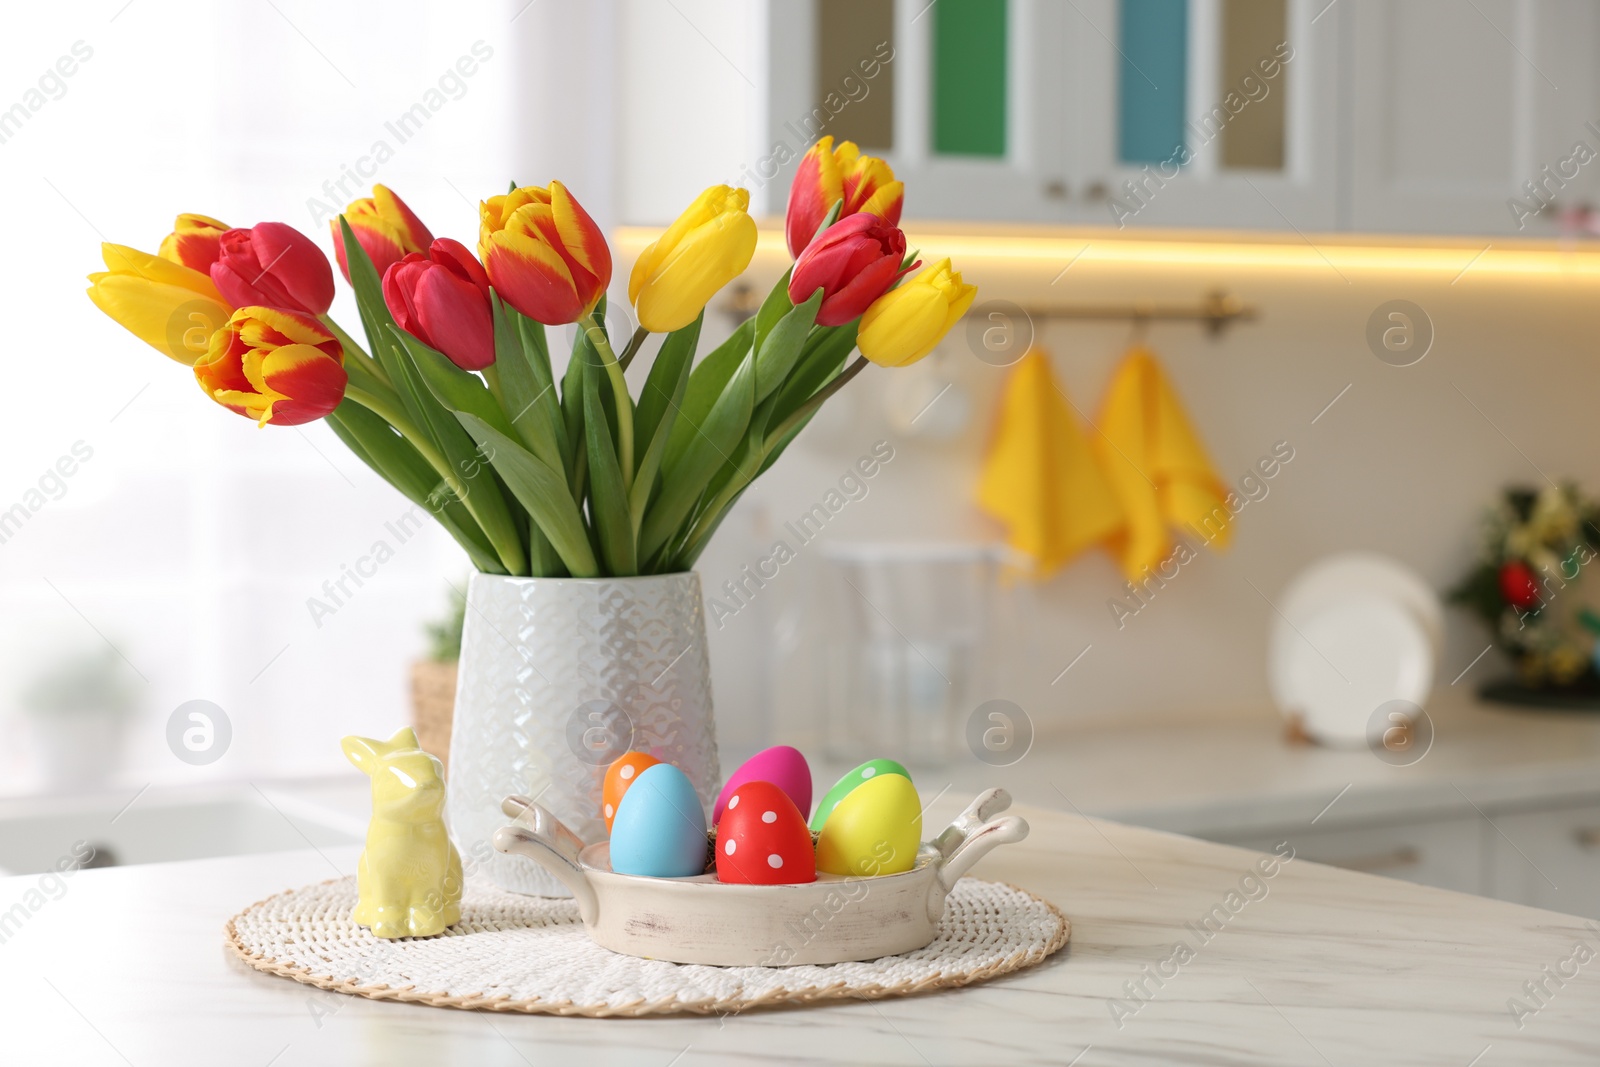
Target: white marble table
[(1325, 967)]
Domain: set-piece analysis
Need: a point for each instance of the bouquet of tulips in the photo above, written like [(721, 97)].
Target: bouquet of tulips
[(454, 401)]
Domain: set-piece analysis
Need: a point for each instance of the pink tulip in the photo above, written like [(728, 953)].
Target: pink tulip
[(853, 262), (273, 265), (442, 299)]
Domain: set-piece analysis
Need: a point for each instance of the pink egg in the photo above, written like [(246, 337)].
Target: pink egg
[(781, 765)]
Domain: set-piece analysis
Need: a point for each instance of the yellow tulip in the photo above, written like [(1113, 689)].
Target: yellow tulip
[(708, 246), (905, 324), (170, 307)]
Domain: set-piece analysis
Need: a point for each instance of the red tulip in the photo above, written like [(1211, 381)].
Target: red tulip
[(273, 365), (386, 228), (273, 265), (854, 262), (827, 175), (1518, 585), (443, 302)]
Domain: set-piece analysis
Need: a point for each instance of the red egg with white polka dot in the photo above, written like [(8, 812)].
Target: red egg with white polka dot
[(622, 773), (762, 839)]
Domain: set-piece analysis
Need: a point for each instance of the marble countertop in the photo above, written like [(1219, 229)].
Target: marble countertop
[(1239, 775), (1311, 965)]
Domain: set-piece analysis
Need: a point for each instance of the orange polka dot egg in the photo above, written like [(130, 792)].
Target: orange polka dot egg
[(619, 777)]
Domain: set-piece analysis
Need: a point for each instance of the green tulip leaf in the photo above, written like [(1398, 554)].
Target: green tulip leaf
[(526, 386), (465, 472), (386, 452), (773, 308), (375, 317), (542, 490), (707, 382), (709, 446), (659, 402), (608, 500), (776, 357), (456, 389)]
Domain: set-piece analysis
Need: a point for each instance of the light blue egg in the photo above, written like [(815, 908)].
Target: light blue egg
[(660, 828)]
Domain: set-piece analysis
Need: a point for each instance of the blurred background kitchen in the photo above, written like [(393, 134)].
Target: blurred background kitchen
[(1272, 174)]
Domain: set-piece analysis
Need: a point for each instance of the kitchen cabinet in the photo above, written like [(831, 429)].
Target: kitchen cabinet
[(1548, 858), (1296, 115), (1444, 853), (1467, 118), (1545, 855)]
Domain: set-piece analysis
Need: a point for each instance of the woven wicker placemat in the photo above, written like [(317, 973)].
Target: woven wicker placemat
[(515, 953)]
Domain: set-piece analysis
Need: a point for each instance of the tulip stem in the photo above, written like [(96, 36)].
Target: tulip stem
[(509, 550), (816, 400), (392, 414), (744, 476), (351, 347), (634, 343), (619, 390)]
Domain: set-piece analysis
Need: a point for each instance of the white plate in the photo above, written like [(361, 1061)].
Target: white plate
[(1346, 574), (1337, 664)]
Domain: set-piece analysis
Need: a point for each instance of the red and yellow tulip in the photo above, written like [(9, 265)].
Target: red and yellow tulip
[(905, 324), (854, 262), (442, 299), (195, 241), (272, 365), (705, 248), (827, 175), (543, 253), (167, 305), (274, 265), (387, 229)]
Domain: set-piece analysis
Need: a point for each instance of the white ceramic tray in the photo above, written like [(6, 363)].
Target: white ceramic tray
[(702, 920)]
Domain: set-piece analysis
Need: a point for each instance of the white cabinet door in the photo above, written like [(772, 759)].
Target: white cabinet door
[(1021, 183), (1456, 107), (1206, 191), (1548, 859), (1447, 853)]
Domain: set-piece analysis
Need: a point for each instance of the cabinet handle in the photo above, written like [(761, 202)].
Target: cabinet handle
[(1404, 856), (1588, 837)]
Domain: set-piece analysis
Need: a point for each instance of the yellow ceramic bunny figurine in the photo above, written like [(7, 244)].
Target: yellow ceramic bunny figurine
[(409, 878)]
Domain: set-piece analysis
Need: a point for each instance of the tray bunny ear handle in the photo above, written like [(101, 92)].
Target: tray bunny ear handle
[(973, 834), (541, 837), (988, 804)]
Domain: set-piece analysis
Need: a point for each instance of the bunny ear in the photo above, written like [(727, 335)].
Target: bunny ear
[(403, 738), (361, 751)]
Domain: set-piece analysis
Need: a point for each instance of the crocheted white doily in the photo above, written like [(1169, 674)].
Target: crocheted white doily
[(530, 954)]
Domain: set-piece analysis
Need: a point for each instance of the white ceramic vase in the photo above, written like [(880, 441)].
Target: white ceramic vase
[(558, 677)]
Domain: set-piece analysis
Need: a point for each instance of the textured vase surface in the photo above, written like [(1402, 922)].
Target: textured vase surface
[(559, 676)]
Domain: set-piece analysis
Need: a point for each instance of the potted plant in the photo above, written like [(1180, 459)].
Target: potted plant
[(433, 680), (1527, 589), (78, 710), (582, 506)]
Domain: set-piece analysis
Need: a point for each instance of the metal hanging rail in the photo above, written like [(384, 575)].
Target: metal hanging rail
[(1217, 310)]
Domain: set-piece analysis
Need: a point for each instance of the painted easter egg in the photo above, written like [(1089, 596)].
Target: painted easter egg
[(864, 773), (619, 776), (781, 765), (875, 829), (659, 829), (762, 839)]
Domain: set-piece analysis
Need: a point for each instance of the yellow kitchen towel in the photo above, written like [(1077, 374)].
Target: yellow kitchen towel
[(1157, 467), (1040, 477)]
